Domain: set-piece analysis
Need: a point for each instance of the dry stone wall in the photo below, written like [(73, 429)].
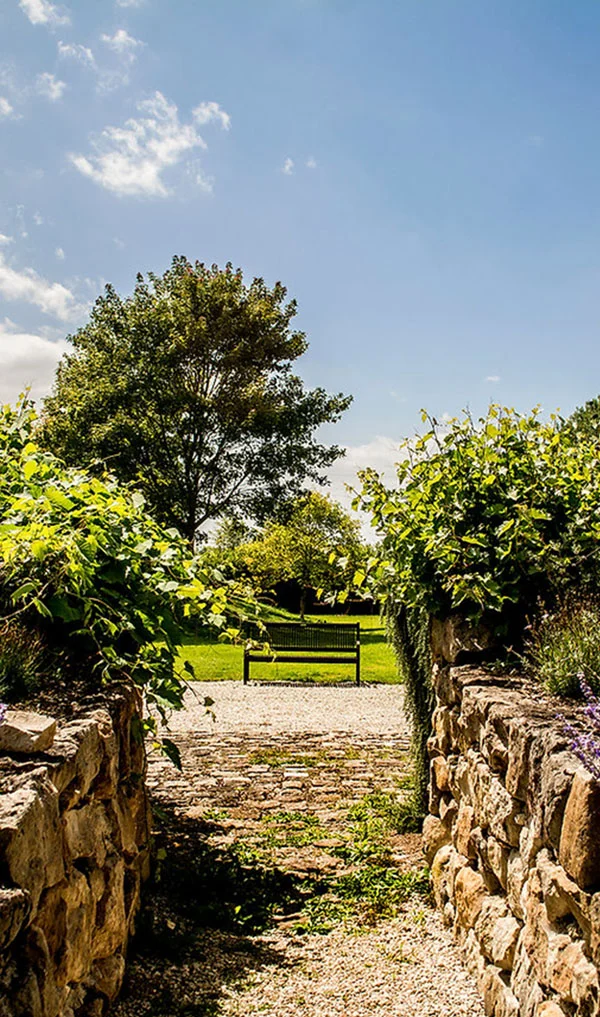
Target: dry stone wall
[(513, 840), (74, 849)]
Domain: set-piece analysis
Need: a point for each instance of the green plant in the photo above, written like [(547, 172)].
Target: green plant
[(24, 662), (564, 646), (488, 516), (86, 566)]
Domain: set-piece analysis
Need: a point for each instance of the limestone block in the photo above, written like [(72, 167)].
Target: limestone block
[(530, 842), (88, 833), (571, 975), (523, 981), (440, 773), (435, 836), (462, 834), (498, 998), (474, 959), (24, 732), (110, 925), (455, 637), (446, 689), (15, 908), (107, 975), (516, 876), (549, 1008), (469, 895), (557, 771), (497, 858), (439, 875), (494, 908), (579, 850), (79, 753), (562, 897), (31, 838), (448, 811), (444, 723), (504, 942)]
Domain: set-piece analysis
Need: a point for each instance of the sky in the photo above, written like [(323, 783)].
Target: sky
[(422, 175)]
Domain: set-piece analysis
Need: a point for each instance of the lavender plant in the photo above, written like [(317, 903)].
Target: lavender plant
[(586, 744), (3, 709)]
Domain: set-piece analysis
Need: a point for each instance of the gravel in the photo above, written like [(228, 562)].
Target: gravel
[(345, 742)]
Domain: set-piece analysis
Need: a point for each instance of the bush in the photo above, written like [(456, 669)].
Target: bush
[(564, 647), (83, 563), (489, 517), (24, 662)]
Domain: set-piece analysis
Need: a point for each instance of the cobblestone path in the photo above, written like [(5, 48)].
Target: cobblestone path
[(281, 802)]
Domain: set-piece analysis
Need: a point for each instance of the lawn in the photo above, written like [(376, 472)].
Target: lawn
[(215, 661)]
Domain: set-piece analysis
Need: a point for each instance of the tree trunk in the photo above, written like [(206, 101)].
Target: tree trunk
[(302, 602)]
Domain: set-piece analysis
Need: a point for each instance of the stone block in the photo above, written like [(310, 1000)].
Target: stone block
[(439, 875), (435, 836), (579, 849), (31, 838), (15, 908), (469, 895), (25, 733), (498, 997), (463, 830), (440, 773), (497, 859), (548, 1008)]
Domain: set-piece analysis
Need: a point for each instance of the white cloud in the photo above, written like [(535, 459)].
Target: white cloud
[(49, 86), (27, 285), (206, 112), (26, 361), (123, 44), (493, 377), (60, 254), (131, 160), (119, 243), (5, 107), (38, 219), (381, 454), (130, 3), (288, 167), (311, 162), (42, 12), (5, 240), (75, 51)]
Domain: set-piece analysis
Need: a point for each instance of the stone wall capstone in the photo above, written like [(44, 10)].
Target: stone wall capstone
[(74, 850), (513, 841)]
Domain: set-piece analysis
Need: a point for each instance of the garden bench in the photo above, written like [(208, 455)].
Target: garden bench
[(296, 643)]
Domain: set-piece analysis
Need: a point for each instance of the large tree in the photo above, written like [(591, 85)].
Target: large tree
[(186, 388)]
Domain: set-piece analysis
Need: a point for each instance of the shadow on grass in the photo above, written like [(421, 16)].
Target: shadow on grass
[(200, 911)]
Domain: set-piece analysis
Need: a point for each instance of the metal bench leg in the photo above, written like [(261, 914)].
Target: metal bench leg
[(246, 667)]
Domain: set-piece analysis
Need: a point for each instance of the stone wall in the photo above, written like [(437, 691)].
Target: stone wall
[(513, 840), (74, 833)]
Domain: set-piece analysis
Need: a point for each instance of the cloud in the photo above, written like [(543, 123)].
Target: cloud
[(381, 454), (49, 86), (27, 285), (288, 167), (60, 254), (75, 51), (5, 240), (209, 111), (5, 107), (131, 160), (493, 377), (130, 3), (26, 360), (123, 44), (311, 162), (42, 12)]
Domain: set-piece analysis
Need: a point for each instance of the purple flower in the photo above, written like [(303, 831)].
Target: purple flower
[(586, 745)]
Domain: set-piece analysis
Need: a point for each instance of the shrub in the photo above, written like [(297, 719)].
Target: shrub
[(24, 662), (489, 517), (83, 562), (563, 648)]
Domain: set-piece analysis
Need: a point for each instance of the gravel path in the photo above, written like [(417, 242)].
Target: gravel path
[(253, 833)]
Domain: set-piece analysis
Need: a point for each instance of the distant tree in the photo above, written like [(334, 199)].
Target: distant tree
[(186, 388), (307, 548), (586, 419)]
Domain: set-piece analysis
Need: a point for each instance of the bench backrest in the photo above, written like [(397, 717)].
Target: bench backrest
[(321, 636)]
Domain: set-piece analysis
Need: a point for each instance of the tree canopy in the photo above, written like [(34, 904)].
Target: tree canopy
[(307, 548), (186, 387)]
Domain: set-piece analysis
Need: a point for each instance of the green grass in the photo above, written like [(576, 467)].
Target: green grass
[(215, 661)]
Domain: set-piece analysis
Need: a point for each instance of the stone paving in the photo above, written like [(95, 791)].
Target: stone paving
[(275, 775)]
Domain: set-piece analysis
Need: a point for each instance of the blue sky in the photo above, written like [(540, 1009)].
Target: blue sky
[(422, 175)]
